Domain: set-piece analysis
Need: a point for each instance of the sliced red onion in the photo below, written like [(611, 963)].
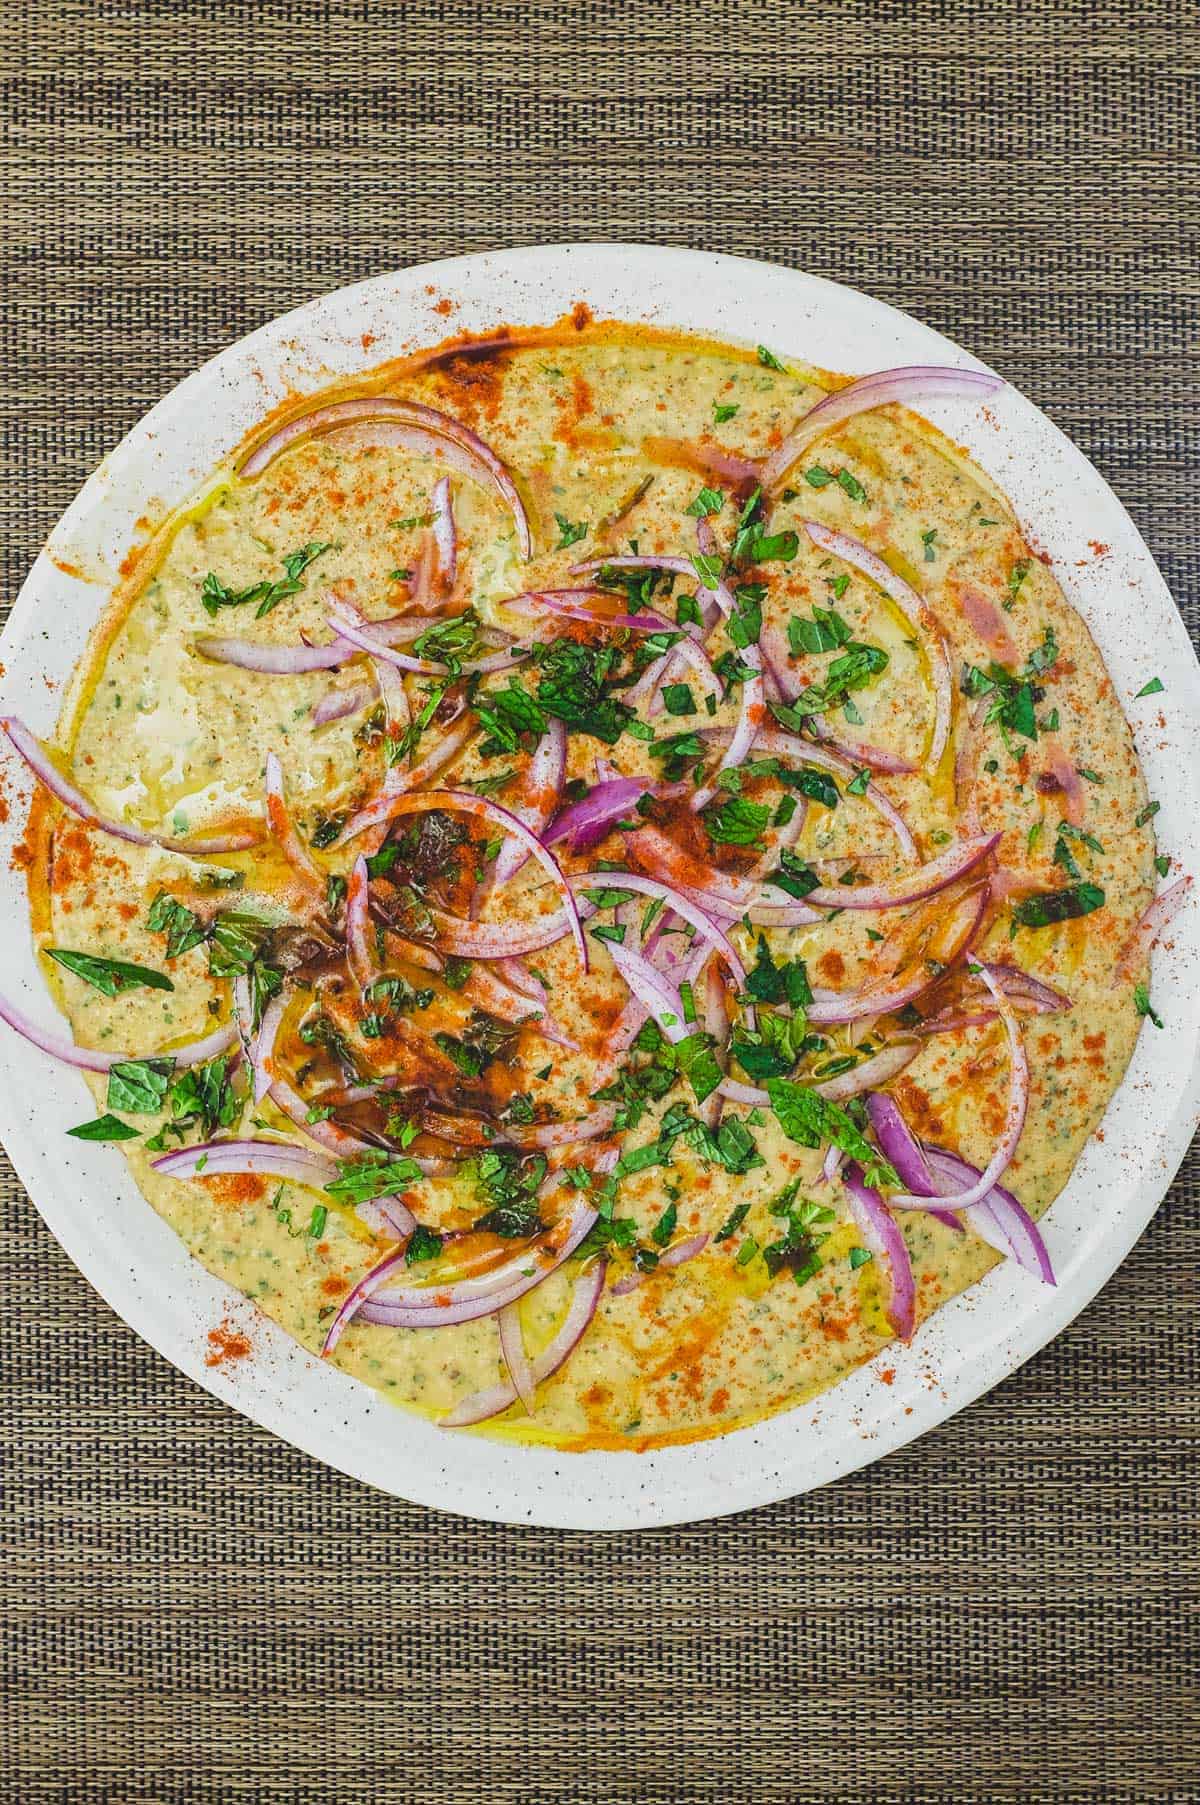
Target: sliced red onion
[(358, 1294), (358, 946), (589, 1288), (1022, 989), (881, 1233), (265, 1159), (831, 1165), (482, 808), (365, 641), (397, 1215), (586, 823), (390, 685), (276, 661), (654, 991), (881, 1068), (999, 1219), (719, 596), (436, 1306), (259, 1045), (708, 929), (925, 881), (283, 830), (683, 1251), (499, 940), (398, 782), (87, 1059), (326, 1134), (417, 428), (825, 757), (907, 385), (1159, 915), (915, 611), (572, 604), (48, 774), (859, 753), (445, 537), (512, 1347), (543, 788), (832, 1006), (515, 975), (716, 1023), (1018, 1104), (900, 1146), (336, 704)]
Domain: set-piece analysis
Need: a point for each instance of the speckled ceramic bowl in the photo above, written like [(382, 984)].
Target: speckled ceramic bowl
[(90, 1202)]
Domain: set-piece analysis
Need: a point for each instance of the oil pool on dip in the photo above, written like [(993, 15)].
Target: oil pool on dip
[(596, 878)]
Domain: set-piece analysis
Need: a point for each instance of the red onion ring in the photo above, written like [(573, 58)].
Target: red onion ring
[(484, 809), (441, 1306), (683, 1251), (899, 1145), (543, 783), (360, 637), (882, 1066), (87, 1059), (482, 1405), (911, 383), (588, 822), (445, 537), (259, 1045), (1159, 915), (274, 660), (336, 704), (376, 812), (1018, 1104), (512, 1349), (925, 881), (567, 602), (265, 1159), (1070, 788), (417, 428), (916, 611), (358, 949), (49, 776), (999, 1219), (719, 596), (881, 1232), (283, 831), (657, 995), (716, 1023), (708, 929)]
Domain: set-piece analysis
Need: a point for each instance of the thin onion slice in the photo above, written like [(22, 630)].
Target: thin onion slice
[(360, 636), (916, 611), (259, 1044), (52, 779), (512, 1347), (708, 929), (397, 782), (87, 1059), (900, 1146), (438, 1306), (1158, 916), (275, 660), (481, 1405), (826, 757), (484, 809), (283, 830), (336, 704), (572, 604), (543, 788), (925, 881), (358, 947), (878, 1069), (908, 384), (265, 1159), (999, 1218), (414, 425), (445, 537), (1014, 1122), (881, 1232)]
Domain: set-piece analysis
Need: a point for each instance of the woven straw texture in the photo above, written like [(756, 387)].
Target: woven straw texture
[(1006, 1610)]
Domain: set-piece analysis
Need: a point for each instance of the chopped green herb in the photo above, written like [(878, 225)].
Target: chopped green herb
[(1141, 999), (1147, 814), (1155, 687), (723, 410), (105, 1128), (570, 531), (1052, 906), (111, 977), (709, 501)]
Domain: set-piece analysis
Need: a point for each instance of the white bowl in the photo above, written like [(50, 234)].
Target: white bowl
[(134, 1260)]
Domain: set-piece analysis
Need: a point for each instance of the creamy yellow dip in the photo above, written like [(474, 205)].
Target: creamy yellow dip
[(164, 737)]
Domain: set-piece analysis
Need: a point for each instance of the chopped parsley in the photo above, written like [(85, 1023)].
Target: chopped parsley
[(214, 594), (570, 532), (1141, 999)]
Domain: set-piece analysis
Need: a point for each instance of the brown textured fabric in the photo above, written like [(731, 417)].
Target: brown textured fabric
[(1006, 1610)]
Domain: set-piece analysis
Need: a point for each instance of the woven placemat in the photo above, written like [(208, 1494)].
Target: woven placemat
[(1006, 1610)]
